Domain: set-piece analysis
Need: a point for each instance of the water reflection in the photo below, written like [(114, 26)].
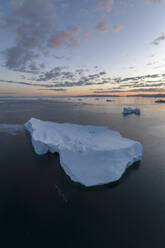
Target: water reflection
[(41, 207)]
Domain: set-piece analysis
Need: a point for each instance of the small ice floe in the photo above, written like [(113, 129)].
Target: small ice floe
[(90, 155), (128, 111)]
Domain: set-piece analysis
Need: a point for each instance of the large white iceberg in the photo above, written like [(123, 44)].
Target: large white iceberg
[(89, 155)]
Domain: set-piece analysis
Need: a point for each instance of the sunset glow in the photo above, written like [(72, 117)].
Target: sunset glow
[(83, 47)]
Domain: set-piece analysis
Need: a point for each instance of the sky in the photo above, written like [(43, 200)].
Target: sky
[(72, 47)]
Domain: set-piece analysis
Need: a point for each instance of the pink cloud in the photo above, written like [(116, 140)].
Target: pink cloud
[(64, 38), (102, 26), (104, 5), (117, 28)]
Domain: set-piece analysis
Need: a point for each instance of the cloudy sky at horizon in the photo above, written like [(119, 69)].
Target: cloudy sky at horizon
[(71, 47)]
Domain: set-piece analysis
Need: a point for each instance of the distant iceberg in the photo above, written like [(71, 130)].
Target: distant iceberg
[(160, 101), (89, 155), (127, 111)]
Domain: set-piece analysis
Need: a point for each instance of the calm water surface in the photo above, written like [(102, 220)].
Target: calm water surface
[(41, 207)]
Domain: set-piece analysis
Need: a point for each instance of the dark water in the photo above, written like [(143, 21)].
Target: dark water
[(41, 207)]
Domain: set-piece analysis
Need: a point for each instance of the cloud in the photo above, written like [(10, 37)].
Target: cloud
[(63, 78), (37, 28), (149, 84), (159, 39), (17, 57), (56, 74), (102, 73), (58, 89), (152, 63), (137, 78), (156, 89), (102, 26), (59, 78), (63, 39), (131, 67), (50, 87), (104, 5), (59, 57), (153, 89), (27, 84), (7, 93), (117, 28), (32, 22), (79, 71)]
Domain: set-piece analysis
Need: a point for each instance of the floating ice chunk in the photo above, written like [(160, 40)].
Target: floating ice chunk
[(89, 155), (160, 101), (127, 111)]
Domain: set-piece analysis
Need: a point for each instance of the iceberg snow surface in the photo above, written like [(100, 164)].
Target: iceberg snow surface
[(90, 155)]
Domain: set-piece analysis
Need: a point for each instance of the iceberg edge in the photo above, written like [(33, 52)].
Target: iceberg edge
[(89, 155)]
